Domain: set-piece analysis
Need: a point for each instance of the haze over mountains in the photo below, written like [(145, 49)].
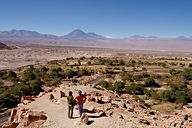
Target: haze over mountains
[(74, 35), (90, 39)]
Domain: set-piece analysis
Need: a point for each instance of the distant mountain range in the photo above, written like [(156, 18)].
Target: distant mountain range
[(74, 35), (90, 39)]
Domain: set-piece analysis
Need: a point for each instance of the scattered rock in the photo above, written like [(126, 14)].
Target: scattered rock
[(144, 121), (130, 109), (29, 98), (120, 117), (102, 114), (84, 118), (25, 102), (91, 98), (62, 94), (48, 89), (41, 94), (123, 106), (51, 97), (34, 116), (60, 101), (189, 105), (151, 113), (185, 117)]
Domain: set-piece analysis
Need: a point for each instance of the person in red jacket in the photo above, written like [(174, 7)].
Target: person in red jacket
[(80, 100)]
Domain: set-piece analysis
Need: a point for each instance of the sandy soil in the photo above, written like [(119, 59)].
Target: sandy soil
[(10, 59), (34, 54)]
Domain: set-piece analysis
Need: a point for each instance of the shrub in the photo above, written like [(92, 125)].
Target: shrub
[(83, 72), (70, 73), (150, 82), (44, 69), (3, 74), (126, 76), (190, 65), (173, 72), (177, 94), (29, 75), (12, 74), (104, 84), (88, 62), (74, 80), (119, 86), (1, 82), (135, 89), (187, 73), (56, 72), (25, 90), (35, 86), (121, 62), (9, 101)]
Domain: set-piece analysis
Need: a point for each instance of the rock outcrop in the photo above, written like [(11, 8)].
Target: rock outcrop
[(21, 117)]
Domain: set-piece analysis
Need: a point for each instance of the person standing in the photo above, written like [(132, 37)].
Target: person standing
[(80, 100), (71, 104)]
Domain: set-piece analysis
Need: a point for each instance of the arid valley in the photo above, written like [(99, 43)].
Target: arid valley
[(96, 64), (124, 88)]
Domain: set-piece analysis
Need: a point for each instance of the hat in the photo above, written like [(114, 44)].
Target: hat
[(79, 91)]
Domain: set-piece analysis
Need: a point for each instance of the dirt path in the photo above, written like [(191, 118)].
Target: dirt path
[(57, 114)]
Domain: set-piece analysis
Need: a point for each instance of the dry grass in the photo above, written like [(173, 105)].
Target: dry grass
[(165, 107)]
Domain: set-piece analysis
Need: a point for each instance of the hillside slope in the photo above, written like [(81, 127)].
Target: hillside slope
[(122, 112)]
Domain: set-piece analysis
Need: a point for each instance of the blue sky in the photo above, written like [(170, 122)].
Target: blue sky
[(115, 18)]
